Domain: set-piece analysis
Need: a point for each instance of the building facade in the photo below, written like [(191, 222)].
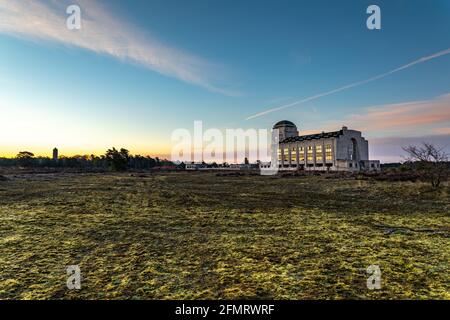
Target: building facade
[(343, 150)]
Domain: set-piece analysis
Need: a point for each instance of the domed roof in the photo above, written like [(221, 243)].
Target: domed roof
[(284, 123)]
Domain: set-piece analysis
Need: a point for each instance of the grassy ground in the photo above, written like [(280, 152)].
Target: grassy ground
[(199, 236)]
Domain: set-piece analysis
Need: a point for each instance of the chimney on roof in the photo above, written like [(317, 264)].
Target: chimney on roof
[(344, 128)]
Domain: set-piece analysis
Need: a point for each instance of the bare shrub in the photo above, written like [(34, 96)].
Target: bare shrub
[(429, 162)]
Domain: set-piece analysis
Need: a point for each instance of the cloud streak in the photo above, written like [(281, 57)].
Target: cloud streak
[(412, 116), (407, 118), (352, 85), (103, 33)]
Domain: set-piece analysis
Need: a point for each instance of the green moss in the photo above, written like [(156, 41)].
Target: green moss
[(199, 236)]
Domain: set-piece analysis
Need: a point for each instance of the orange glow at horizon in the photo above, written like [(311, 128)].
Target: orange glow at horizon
[(27, 129)]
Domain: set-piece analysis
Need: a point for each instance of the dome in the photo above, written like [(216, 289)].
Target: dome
[(284, 123)]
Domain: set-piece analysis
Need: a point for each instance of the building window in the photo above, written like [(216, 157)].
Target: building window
[(319, 155), (294, 154), (301, 153), (286, 154), (310, 154), (279, 154), (328, 152), (350, 165)]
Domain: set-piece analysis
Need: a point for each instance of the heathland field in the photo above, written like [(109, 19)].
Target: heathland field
[(202, 236)]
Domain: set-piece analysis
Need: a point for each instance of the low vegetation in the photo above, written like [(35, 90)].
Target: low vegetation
[(429, 162), (112, 160), (206, 236)]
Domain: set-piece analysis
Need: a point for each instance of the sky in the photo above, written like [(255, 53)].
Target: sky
[(138, 70)]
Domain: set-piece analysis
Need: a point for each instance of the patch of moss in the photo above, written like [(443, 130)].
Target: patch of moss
[(202, 236)]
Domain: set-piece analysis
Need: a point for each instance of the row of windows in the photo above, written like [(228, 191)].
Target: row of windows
[(328, 152), (309, 153)]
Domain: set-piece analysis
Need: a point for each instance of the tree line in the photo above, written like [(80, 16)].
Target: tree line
[(113, 159)]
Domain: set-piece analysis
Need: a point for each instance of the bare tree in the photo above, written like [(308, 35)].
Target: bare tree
[(429, 161)]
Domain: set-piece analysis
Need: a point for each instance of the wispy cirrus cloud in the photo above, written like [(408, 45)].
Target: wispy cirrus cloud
[(415, 117), (104, 33), (411, 118), (352, 85)]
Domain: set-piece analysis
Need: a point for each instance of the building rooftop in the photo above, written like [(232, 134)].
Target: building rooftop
[(323, 135), (284, 123)]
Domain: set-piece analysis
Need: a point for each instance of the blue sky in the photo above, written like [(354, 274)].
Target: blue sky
[(137, 70)]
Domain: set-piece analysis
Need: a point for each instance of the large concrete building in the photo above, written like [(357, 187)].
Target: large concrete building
[(343, 150)]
